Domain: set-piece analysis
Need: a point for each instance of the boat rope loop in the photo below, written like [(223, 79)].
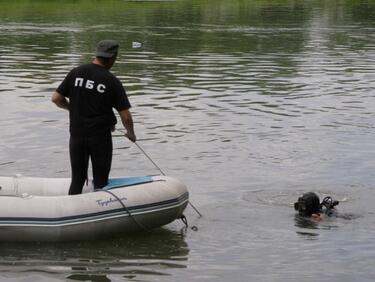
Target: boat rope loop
[(184, 220), (126, 209)]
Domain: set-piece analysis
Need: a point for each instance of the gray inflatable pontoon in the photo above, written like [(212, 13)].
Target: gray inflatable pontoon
[(40, 209)]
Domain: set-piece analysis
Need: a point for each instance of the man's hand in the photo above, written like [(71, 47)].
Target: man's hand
[(60, 100), (131, 137), (127, 121)]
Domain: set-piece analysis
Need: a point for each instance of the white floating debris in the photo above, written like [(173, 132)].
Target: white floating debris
[(137, 44)]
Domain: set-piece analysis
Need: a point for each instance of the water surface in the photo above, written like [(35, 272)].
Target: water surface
[(250, 103)]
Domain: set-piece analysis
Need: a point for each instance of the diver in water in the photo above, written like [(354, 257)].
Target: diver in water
[(309, 205)]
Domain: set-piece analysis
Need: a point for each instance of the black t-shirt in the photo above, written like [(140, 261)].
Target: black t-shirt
[(93, 92)]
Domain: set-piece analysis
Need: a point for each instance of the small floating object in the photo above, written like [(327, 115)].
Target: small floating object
[(40, 209), (136, 45)]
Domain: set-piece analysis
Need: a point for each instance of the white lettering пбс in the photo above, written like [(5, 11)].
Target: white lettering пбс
[(90, 84)]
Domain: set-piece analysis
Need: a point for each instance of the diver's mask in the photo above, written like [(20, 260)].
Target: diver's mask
[(309, 204), (328, 204)]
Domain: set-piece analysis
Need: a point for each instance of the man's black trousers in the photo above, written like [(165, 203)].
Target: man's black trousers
[(99, 149)]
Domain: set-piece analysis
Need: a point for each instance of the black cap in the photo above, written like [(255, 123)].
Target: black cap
[(107, 48)]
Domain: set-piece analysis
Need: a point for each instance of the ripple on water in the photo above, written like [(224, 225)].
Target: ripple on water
[(287, 198), (129, 256)]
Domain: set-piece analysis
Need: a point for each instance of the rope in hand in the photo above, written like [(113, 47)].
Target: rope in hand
[(151, 160)]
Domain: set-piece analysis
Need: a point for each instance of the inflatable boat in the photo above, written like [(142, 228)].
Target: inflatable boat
[(40, 209)]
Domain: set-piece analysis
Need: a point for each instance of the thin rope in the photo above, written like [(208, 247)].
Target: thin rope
[(143, 151), (200, 215), (126, 209)]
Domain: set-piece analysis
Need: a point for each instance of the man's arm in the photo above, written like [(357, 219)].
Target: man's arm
[(60, 100), (127, 121)]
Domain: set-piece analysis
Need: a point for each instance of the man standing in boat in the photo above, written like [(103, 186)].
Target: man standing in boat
[(90, 92)]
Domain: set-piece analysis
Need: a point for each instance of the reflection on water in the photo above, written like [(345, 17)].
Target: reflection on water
[(250, 103), (306, 226), (131, 257)]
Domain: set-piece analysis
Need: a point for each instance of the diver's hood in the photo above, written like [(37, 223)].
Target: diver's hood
[(308, 204)]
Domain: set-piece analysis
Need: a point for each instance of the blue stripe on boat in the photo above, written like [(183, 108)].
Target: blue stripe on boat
[(127, 181), (93, 216)]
